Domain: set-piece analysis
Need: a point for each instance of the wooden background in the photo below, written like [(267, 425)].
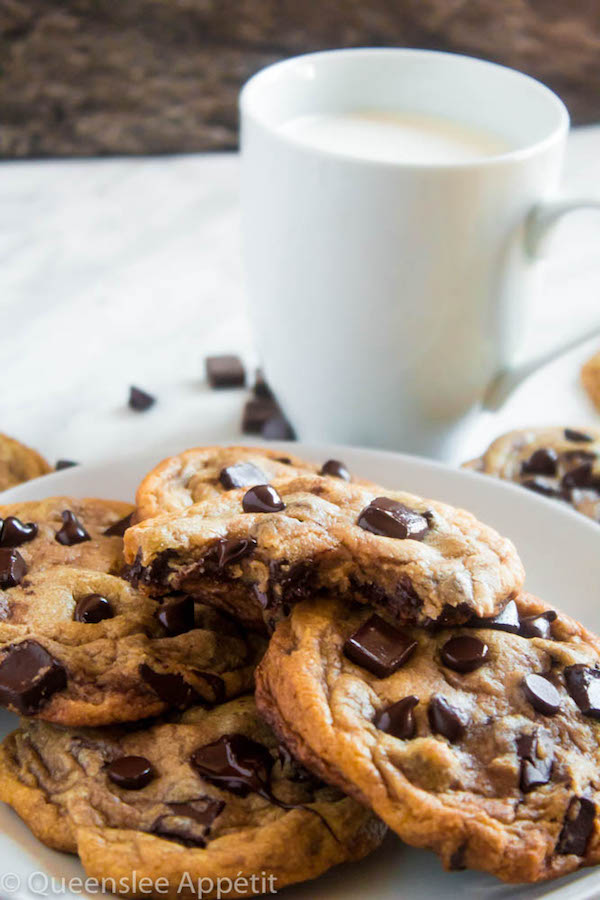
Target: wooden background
[(88, 77)]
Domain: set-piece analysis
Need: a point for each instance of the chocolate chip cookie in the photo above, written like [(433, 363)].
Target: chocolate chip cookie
[(255, 551), (19, 463), (210, 794), (480, 742), (562, 463), (203, 473), (80, 646)]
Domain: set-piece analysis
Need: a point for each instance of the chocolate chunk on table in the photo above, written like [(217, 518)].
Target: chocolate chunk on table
[(225, 371)]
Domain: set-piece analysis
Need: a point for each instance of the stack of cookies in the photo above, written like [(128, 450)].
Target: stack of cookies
[(253, 672)]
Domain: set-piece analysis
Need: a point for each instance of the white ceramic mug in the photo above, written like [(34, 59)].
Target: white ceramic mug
[(387, 297)]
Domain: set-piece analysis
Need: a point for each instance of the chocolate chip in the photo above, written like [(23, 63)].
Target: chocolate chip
[(29, 676), (232, 549), (277, 428), (445, 719), (335, 469), (181, 823), (378, 647), (225, 371), (171, 688), (13, 532), (64, 464), (398, 719), (505, 620), (241, 474), (72, 531), (542, 462), (583, 684), (539, 626), (392, 519), (118, 529), (541, 487), (579, 436), (132, 773), (257, 413), (93, 608), (262, 499), (535, 769), (139, 400), (578, 825), (234, 763), (542, 694), (12, 568), (177, 616), (261, 387), (464, 653)]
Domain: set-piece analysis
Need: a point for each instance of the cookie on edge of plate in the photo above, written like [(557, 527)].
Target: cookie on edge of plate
[(19, 463), (561, 463), (256, 551), (210, 794), (480, 742), (80, 646)]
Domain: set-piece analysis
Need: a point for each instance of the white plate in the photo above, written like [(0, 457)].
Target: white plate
[(560, 551)]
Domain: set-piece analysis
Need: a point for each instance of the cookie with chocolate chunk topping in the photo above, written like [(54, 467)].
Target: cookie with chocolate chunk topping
[(480, 741), (206, 793)]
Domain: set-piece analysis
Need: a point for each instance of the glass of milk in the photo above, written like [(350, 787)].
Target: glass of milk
[(393, 204)]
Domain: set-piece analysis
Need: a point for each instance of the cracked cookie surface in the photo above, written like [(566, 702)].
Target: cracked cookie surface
[(480, 742), (19, 463), (257, 551), (80, 646), (210, 793), (561, 463)]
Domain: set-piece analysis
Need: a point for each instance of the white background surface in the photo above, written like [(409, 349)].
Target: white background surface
[(124, 272)]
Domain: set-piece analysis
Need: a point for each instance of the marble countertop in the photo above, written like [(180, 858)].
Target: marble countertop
[(128, 271)]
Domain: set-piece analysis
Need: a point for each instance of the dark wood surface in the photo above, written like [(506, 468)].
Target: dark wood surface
[(88, 77)]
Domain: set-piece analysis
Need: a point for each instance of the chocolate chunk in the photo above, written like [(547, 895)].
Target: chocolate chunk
[(132, 773), (535, 769), (577, 827), (214, 682), (277, 428), (261, 386), (583, 684), (392, 519), (505, 620), (257, 413), (579, 456), (241, 474), (12, 568), (234, 763), (118, 529), (582, 476), (93, 608), (171, 688), (542, 462), (378, 647), (579, 436), (262, 499), (538, 626), (13, 532), (72, 531), (181, 823), (177, 616), (225, 371), (29, 676), (542, 694), (445, 719), (464, 653), (541, 487), (65, 464), (335, 469), (457, 859), (232, 549), (139, 400), (398, 719)]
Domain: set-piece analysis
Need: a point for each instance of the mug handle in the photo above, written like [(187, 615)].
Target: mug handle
[(540, 222)]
